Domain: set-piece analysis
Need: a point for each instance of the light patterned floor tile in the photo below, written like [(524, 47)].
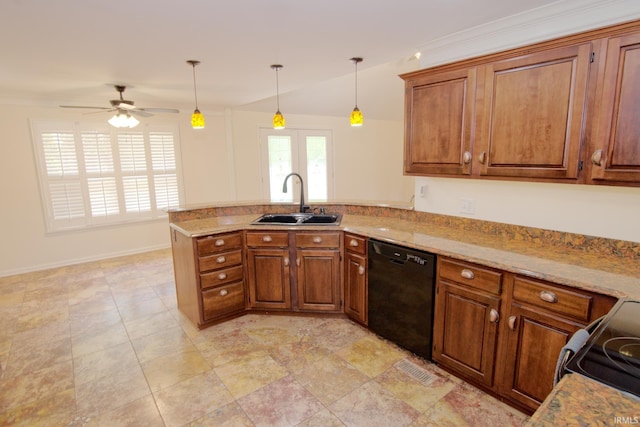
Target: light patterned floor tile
[(175, 367), (250, 372), (371, 355), (230, 415), (141, 412)]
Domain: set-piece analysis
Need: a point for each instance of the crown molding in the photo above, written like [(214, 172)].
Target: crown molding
[(543, 23)]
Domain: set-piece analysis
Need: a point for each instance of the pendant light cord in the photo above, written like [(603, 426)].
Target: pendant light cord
[(277, 90), (195, 91), (356, 85)]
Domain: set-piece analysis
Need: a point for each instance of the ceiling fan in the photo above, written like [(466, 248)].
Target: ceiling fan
[(123, 106)]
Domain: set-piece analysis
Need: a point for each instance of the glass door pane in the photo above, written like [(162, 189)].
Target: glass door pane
[(316, 148), (280, 165)]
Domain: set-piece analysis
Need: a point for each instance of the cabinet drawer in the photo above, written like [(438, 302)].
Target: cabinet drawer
[(357, 244), (221, 277), (278, 239), (551, 297), (220, 260), (469, 274), (318, 240), (219, 243), (223, 300)]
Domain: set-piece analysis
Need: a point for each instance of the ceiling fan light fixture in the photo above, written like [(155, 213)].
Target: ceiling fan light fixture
[(278, 118), (197, 119), (356, 118), (123, 120)]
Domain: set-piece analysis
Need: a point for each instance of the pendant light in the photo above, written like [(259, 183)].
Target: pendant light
[(278, 118), (197, 119), (356, 115)]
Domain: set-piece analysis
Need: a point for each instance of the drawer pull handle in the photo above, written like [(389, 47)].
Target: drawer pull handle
[(466, 157), (467, 274), (221, 259), (224, 292), (219, 242), (353, 243), (548, 296), (317, 239), (222, 276), (298, 262), (286, 262), (596, 158), (482, 157), (361, 270), (267, 239), (512, 322), (494, 316)]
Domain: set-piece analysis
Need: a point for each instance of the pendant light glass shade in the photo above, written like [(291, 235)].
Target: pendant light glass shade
[(278, 118), (123, 120), (197, 119), (356, 118)]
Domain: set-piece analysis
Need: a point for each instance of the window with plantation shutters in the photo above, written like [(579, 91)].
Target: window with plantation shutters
[(96, 175)]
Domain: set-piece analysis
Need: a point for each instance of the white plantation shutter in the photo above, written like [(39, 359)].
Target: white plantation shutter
[(93, 175)]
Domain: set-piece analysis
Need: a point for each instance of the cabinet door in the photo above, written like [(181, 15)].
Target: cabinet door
[(465, 331), (439, 111), (355, 287), (532, 116), (318, 279), (616, 156), (268, 278), (533, 343)]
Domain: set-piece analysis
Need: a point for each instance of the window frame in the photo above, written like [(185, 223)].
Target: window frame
[(154, 140)]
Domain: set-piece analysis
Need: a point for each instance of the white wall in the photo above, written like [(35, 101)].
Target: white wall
[(585, 209)]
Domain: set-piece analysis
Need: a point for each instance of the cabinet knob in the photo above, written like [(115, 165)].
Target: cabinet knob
[(361, 270), (286, 262), (224, 292), (267, 239), (482, 157), (596, 158), (353, 243), (298, 262), (512, 322), (467, 274), (222, 276), (317, 239), (494, 316), (466, 157), (221, 259), (219, 242), (548, 296)]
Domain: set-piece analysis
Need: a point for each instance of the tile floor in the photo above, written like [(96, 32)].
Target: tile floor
[(103, 344)]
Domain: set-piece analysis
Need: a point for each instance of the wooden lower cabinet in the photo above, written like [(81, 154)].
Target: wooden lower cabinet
[(294, 271), (355, 278), (268, 278), (209, 276), (503, 332), (465, 336), (532, 346)]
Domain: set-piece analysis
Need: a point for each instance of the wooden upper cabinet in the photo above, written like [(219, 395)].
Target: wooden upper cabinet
[(439, 112), (533, 114), (616, 145)]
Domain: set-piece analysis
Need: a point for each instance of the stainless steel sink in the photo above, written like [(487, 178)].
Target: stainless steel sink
[(299, 219)]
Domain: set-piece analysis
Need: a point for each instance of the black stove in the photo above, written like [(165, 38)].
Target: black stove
[(611, 355)]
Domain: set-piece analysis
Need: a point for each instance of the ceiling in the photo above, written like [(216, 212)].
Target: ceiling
[(74, 51)]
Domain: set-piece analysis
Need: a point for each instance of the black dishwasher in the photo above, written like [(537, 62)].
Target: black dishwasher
[(401, 293)]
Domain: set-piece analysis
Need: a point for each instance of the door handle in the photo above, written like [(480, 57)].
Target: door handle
[(494, 316), (361, 270), (512, 322)]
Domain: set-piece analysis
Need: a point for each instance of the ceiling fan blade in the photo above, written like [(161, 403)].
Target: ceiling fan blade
[(159, 110), (82, 106), (141, 113)]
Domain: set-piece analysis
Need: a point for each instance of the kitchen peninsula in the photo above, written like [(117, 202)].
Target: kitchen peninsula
[(587, 264)]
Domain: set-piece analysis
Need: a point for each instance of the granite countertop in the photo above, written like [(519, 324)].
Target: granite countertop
[(610, 275), (579, 401)]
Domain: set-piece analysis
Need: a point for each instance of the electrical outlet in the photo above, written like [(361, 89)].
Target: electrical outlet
[(468, 206), (423, 191)]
